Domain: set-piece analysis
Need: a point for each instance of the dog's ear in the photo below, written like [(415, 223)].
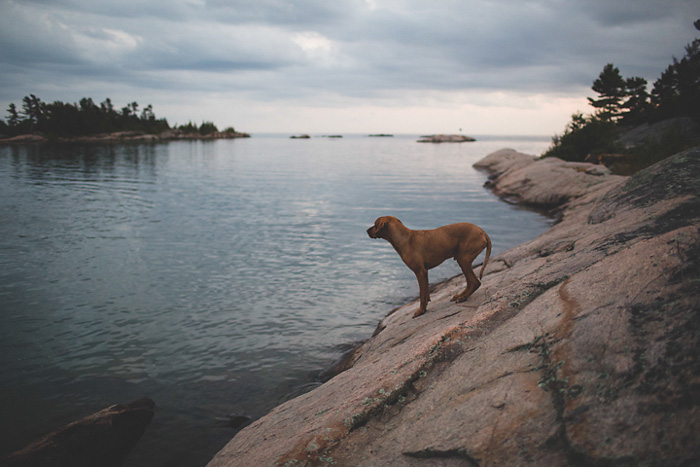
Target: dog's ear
[(379, 224)]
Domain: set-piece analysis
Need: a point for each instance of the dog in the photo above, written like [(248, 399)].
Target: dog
[(422, 250)]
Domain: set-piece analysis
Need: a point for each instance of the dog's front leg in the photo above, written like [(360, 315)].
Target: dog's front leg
[(422, 276)]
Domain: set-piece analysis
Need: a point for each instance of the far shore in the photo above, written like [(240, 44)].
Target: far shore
[(124, 137)]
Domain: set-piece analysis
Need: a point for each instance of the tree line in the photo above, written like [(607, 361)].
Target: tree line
[(86, 118), (624, 103)]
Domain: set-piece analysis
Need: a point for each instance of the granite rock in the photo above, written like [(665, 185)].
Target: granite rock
[(102, 439), (582, 347)]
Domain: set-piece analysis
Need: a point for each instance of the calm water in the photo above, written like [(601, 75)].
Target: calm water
[(214, 277)]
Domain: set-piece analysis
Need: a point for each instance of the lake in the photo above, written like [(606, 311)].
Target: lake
[(215, 277)]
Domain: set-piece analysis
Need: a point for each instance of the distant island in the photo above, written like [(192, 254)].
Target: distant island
[(305, 136), (86, 121), (445, 139)]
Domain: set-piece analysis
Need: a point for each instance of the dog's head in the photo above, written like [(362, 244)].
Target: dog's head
[(380, 227)]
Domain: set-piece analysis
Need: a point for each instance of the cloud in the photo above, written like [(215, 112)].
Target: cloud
[(348, 52)]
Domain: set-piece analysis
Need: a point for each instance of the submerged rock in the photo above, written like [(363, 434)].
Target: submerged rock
[(581, 346), (102, 439)]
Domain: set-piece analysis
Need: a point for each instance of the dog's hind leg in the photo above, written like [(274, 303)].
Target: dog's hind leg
[(473, 283)]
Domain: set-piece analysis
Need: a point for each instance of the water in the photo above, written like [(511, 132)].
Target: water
[(215, 277)]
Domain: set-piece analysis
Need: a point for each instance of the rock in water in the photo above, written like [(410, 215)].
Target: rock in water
[(102, 439)]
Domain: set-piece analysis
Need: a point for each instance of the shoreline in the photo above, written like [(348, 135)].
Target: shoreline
[(528, 341), (123, 137)]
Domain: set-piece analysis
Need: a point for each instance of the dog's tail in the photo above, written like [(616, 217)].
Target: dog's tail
[(488, 254)]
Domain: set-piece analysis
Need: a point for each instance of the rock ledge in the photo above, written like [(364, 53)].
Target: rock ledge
[(581, 347)]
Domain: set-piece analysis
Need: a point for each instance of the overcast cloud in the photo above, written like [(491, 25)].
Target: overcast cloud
[(487, 66)]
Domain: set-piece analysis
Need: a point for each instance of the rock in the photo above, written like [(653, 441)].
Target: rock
[(681, 127), (235, 421), (501, 161), (145, 139), (607, 159), (176, 134), (126, 137), (544, 183), (581, 347), (24, 139), (300, 137), (445, 139), (104, 438)]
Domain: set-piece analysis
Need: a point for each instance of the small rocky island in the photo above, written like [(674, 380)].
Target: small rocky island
[(580, 348), (445, 139)]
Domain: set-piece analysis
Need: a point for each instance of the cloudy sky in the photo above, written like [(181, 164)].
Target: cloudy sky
[(319, 66)]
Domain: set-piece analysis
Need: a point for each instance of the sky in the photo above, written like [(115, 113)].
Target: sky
[(483, 67)]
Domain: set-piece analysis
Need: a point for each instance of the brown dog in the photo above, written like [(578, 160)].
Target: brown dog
[(425, 249)]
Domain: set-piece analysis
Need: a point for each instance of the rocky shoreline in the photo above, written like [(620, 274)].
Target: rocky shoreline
[(126, 137), (581, 347)]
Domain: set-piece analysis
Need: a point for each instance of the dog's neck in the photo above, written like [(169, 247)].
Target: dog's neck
[(400, 236)]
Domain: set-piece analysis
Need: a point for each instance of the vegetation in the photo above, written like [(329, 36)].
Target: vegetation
[(623, 104), (81, 119), (59, 119)]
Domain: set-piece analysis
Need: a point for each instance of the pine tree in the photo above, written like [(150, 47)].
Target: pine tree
[(637, 103), (610, 87), (677, 92), (12, 116)]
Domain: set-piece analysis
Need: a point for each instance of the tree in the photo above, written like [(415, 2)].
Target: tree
[(32, 109), (622, 103), (583, 136), (677, 92), (107, 107), (637, 103), (610, 87), (189, 128), (12, 116), (207, 128), (147, 113), (59, 119)]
